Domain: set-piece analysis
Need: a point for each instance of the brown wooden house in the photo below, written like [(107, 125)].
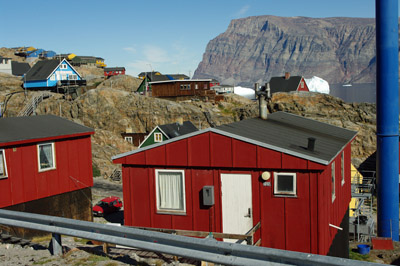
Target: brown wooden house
[(176, 88)]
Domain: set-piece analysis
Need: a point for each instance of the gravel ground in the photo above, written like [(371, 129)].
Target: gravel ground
[(83, 252)]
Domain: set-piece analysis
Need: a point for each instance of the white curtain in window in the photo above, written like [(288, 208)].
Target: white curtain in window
[(46, 156), (2, 173), (170, 190)]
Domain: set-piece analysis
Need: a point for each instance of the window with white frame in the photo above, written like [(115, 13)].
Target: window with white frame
[(157, 137), (46, 156), (63, 66), (285, 184), (129, 139), (170, 191), (333, 181), (342, 166), (3, 164), (72, 77)]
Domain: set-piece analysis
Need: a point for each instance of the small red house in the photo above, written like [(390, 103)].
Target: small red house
[(289, 173), (46, 166), (114, 71), (288, 83)]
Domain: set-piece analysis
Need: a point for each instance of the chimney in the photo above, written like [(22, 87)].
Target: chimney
[(179, 121), (311, 144), (287, 75)]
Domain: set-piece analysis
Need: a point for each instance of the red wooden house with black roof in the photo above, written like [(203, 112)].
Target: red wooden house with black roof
[(288, 83), (46, 166), (288, 173)]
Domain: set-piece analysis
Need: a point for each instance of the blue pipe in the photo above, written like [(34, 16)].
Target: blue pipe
[(387, 117)]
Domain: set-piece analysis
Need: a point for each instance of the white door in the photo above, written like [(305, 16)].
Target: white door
[(237, 211)]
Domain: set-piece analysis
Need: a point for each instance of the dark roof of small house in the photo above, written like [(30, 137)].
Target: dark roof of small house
[(282, 132), (25, 128), (19, 68), (155, 78), (175, 129), (177, 76), (42, 69), (289, 133), (114, 68), (280, 84)]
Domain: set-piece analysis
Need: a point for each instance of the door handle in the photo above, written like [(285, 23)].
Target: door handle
[(248, 213)]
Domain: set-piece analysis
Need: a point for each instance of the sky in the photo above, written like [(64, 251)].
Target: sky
[(142, 36)]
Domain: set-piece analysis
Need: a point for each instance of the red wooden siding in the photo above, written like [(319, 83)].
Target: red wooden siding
[(25, 183), (298, 223)]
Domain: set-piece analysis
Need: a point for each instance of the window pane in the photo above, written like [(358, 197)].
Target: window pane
[(285, 183), (46, 156), (170, 190), (2, 170)]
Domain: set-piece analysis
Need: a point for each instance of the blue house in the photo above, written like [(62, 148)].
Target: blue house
[(50, 74)]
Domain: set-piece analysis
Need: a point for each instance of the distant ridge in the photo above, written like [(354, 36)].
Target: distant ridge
[(253, 49)]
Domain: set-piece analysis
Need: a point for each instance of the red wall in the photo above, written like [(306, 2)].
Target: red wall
[(299, 224), (25, 183), (304, 87)]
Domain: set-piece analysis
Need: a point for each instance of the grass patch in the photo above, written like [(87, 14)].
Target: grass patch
[(40, 239), (95, 170), (353, 255), (82, 241), (42, 261)]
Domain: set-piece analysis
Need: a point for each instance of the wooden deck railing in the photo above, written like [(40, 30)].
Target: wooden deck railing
[(248, 237)]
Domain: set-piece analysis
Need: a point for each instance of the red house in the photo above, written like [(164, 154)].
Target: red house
[(288, 83), (114, 71), (46, 166), (289, 173)]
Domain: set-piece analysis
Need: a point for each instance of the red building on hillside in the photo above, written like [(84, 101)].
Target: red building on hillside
[(114, 71), (46, 166), (288, 173)]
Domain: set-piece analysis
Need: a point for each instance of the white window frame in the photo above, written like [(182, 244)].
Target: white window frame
[(129, 139), (72, 77), (63, 66), (333, 176), (157, 137), (342, 165), (53, 155), (158, 202), (285, 193), (3, 158)]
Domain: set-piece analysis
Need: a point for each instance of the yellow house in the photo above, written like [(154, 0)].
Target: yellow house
[(356, 178)]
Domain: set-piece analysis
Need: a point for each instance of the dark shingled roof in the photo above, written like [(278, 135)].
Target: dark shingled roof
[(15, 129), (280, 84), (289, 133), (19, 68), (41, 70), (114, 68), (175, 129)]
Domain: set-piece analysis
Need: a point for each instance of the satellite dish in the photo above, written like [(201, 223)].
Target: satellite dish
[(266, 176)]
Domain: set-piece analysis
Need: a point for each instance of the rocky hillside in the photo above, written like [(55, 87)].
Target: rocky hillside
[(110, 111), (254, 49)]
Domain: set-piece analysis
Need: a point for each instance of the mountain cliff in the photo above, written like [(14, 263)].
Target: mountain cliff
[(254, 49)]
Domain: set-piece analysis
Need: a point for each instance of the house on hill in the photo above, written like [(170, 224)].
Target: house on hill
[(168, 131), (45, 167), (49, 74), (287, 173), (114, 71), (181, 88), (288, 83)]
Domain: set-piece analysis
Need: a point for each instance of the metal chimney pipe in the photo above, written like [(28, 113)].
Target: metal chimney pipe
[(263, 106), (387, 118)]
